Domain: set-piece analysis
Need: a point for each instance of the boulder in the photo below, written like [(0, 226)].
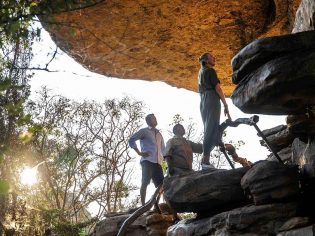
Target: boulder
[(297, 226), (303, 153), (150, 223), (269, 181), (279, 140), (110, 226), (305, 17), (249, 220), (264, 86), (157, 224), (295, 222), (205, 191), (302, 125), (274, 130), (285, 155), (305, 231), (260, 51)]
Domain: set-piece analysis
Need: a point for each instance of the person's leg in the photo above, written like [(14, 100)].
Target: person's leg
[(143, 191), (204, 111), (146, 177), (157, 174), (210, 109), (157, 178)]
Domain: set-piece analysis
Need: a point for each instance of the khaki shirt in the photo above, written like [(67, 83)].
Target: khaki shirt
[(180, 152)]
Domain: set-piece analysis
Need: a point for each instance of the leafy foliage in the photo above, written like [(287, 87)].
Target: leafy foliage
[(15, 56), (17, 34), (82, 155)]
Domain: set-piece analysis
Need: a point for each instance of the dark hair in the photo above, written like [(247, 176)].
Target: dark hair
[(203, 58), (148, 117), (175, 128)]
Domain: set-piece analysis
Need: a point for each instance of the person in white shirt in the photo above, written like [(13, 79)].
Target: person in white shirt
[(152, 146)]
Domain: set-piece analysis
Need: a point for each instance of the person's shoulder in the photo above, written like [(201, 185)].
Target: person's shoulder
[(171, 140), (145, 129), (178, 139), (211, 70), (141, 130)]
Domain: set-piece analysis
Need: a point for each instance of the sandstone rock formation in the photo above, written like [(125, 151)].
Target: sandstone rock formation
[(149, 224), (305, 17), (276, 75), (205, 192), (268, 182), (303, 153), (281, 206), (302, 125), (278, 137), (161, 40), (249, 220), (282, 196), (269, 83), (285, 155)]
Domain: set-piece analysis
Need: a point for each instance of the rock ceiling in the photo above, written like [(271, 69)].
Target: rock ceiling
[(161, 40)]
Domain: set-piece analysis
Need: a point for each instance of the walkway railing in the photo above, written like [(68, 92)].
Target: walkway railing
[(153, 201)]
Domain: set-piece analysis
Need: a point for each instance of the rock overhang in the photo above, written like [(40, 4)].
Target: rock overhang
[(161, 41)]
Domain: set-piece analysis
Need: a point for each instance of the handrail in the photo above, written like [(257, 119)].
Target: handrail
[(251, 122), (140, 211)]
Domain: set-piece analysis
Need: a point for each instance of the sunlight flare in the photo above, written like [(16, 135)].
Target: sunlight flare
[(28, 176)]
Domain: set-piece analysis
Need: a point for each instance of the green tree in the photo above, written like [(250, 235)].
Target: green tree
[(82, 155), (15, 56), (17, 34)]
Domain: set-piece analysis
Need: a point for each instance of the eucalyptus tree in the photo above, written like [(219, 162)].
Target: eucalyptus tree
[(17, 35), (82, 154)]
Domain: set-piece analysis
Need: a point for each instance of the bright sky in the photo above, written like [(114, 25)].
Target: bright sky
[(75, 82)]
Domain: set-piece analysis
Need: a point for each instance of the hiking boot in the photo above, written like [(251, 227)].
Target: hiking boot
[(207, 166)]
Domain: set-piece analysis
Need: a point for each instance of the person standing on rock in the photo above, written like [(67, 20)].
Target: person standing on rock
[(179, 151), (152, 147), (210, 106)]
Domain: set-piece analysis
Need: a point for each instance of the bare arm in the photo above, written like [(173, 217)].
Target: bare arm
[(222, 97)]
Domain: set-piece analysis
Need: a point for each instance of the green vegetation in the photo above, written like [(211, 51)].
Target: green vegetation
[(78, 150)]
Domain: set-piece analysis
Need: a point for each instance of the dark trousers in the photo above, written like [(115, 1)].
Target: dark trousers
[(151, 171)]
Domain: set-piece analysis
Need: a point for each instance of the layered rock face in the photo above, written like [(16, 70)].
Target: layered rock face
[(205, 192), (276, 75), (273, 76), (149, 224), (305, 17), (162, 40), (275, 205)]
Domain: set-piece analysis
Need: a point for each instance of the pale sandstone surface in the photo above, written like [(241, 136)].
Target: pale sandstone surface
[(161, 40)]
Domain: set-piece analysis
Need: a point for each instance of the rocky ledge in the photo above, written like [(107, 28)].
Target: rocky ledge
[(162, 40)]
